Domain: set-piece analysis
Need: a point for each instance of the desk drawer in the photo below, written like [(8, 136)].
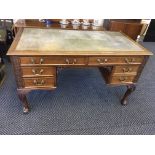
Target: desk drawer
[(115, 60), (52, 60), (126, 69), (38, 71), (122, 79), (39, 82)]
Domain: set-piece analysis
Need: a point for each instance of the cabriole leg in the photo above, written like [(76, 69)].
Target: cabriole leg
[(130, 89), (23, 99)]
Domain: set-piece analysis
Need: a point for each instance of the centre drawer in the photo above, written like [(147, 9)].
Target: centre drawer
[(39, 82), (38, 71), (64, 60), (108, 60)]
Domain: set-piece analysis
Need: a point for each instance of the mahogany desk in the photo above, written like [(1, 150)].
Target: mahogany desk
[(36, 55)]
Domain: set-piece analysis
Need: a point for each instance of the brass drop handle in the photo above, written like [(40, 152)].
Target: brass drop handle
[(41, 71), (129, 60), (41, 60), (127, 69), (67, 61), (74, 61), (32, 61), (99, 60), (122, 79), (102, 61), (39, 82), (35, 72)]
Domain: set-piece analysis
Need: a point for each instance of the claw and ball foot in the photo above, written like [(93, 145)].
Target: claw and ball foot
[(26, 110), (124, 102)]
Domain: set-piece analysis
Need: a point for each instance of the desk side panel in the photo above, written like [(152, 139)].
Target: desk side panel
[(17, 71)]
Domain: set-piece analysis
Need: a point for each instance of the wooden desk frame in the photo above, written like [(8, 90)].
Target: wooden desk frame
[(112, 77)]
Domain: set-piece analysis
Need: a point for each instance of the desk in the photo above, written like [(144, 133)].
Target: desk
[(36, 55)]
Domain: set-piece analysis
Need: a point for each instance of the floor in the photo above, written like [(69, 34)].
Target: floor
[(82, 104)]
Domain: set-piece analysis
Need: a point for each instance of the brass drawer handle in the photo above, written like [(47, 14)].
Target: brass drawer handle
[(127, 70), (69, 62), (102, 61), (39, 82), (129, 60), (36, 72), (122, 79), (74, 61), (41, 60), (33, 61)]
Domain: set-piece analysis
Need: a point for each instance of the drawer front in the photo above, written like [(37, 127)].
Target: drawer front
[(38, 71), (122, 79), (52, 60), (39, 82), (126, 69), (114, 60)]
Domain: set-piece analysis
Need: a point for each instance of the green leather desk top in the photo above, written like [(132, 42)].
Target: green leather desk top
[(70, 40)]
